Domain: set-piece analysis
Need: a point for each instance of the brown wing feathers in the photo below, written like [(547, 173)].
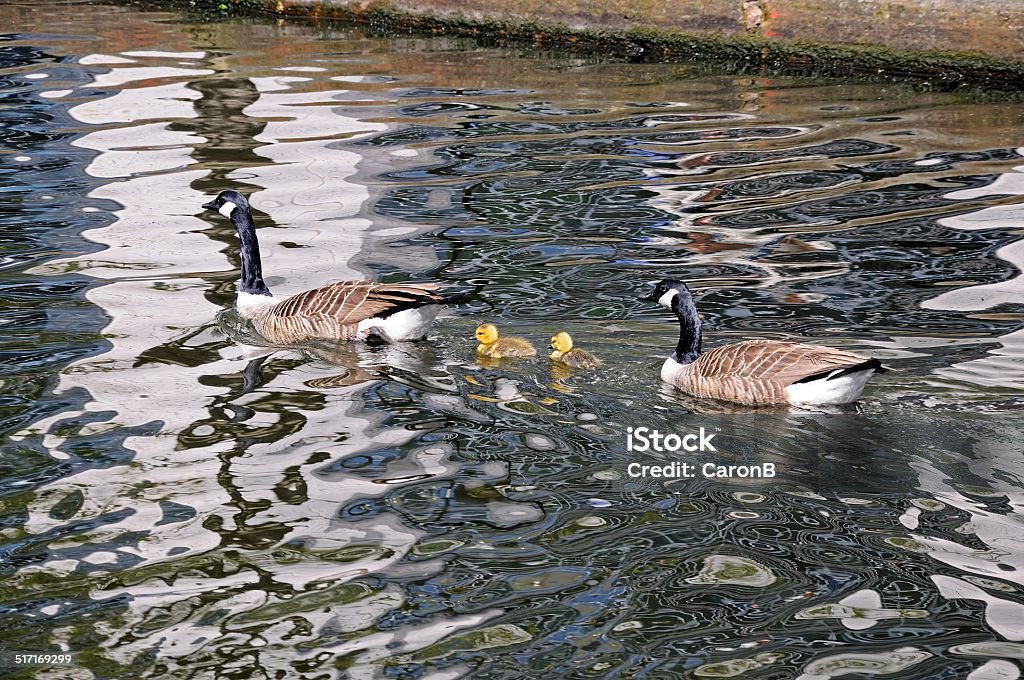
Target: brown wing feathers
[(781, 362), (352, 301)]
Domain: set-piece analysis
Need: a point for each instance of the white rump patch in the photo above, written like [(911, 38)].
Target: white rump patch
[(408, 324), (666, 299), (824, 392), (226, 211)]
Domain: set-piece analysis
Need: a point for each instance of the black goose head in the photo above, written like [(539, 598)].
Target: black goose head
[(226, 203), (667, 291), (673, 294), (235, 207)]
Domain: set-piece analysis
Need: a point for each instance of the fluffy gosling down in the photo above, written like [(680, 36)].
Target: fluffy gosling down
[(347, 310), (495, 347), (757, 372), (573, 357)]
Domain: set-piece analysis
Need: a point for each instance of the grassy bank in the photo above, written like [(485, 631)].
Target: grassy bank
[(943, 70)]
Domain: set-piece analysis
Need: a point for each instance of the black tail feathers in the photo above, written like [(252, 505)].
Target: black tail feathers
[(833, 374)]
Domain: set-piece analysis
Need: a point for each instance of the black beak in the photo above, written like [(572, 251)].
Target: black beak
[(212, 205), (648, 298), (551, 347)]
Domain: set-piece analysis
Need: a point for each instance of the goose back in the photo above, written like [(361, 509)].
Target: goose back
[(351, 310), (508, 347), (579, 358)]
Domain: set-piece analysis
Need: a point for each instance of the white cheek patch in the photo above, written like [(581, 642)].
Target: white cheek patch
[(227, 209), (666, 299)]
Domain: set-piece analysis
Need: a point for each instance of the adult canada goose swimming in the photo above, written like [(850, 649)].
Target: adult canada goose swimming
[(495, 347), (573, 357), (347, 310), (757, 372)]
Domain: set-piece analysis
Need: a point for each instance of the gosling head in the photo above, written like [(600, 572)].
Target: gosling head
[(487, 334), (227, 202), (666, 291), (560, 343)]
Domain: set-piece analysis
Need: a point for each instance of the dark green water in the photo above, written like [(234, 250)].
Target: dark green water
[(176, 504)]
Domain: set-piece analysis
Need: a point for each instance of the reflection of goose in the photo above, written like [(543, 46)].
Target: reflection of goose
[(347, 310), (496, 347), (573, 357), (757, 371)]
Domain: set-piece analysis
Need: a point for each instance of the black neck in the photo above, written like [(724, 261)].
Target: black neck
[(688, 348), (252, 268)]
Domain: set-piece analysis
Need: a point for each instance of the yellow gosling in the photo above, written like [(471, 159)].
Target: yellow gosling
[(573, 357), (501, 348)]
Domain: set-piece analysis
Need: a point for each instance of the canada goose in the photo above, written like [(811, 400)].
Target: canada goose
[(573, 357), (347, 310), (757, 372), (501, 348)]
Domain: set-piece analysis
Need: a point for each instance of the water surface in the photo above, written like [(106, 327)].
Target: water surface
[(177, 503)]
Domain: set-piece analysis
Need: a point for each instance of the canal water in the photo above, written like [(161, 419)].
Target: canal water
[(178, 501)]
